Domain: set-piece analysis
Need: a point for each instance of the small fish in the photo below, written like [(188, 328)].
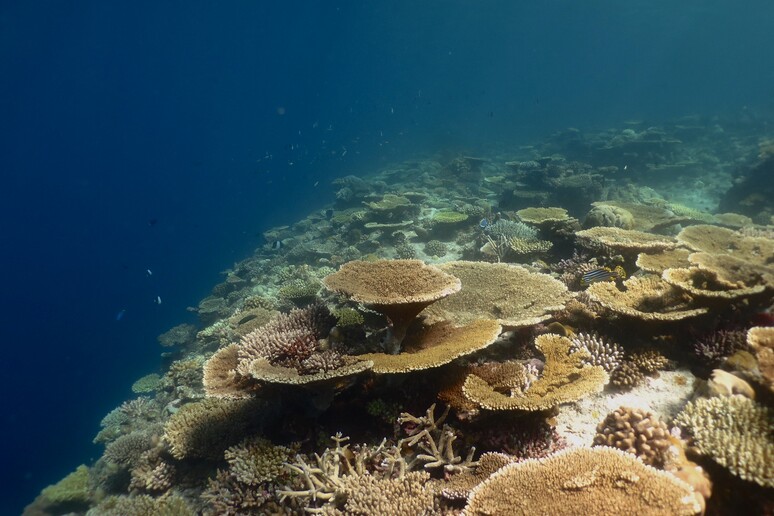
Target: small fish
[(149, 272), (120, 315), (602, 274), (157, 300), (276, 245), (329, 213), (484, 223)]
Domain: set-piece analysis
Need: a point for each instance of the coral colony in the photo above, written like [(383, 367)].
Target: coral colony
[(573, 327)]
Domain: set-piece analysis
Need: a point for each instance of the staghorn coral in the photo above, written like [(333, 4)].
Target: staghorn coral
[(399, 289), (434, 443), (206, 428), (256, 460), (646, 298), (565, 378), (436, 345), (602, 353), (510, 294), (635, 431), (736, 432), (582, 481)]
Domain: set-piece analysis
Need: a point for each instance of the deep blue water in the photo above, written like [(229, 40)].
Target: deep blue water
[(169, 135)]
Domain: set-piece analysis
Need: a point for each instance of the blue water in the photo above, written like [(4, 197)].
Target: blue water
[(168, 135)]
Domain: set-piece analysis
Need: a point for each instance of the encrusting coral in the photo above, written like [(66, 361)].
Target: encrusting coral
[(761, 340), (582, 481), (735, 432), (565, 377), (399, 289)]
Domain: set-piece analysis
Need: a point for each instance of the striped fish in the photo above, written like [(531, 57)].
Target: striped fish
[(602, 274)]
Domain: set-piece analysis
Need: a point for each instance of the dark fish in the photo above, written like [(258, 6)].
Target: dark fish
[(120, 315), (276, 245), (328, 214), (153, 222), (602, 274)]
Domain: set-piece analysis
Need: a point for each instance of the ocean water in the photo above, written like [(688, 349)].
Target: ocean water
[(145, 147)]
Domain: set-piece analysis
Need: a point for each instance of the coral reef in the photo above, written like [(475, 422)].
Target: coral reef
[(635, 431)]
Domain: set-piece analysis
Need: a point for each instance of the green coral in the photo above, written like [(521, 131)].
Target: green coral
[(436, 248), (148, 383), (72, 489), (449, 217), (348, 317), (736, 432)]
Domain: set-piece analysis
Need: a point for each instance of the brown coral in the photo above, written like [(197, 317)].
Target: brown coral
[(635, 431), (399, 289), (565, 378), (256, 460), (511, 294), (582, 481), (659, 262)]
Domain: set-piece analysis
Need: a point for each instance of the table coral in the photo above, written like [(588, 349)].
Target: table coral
[(582, 481)]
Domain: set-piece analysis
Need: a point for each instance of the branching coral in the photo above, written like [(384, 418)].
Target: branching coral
[(635, 431), (434, 442), (601, 351), (736, 432), (256, 460)]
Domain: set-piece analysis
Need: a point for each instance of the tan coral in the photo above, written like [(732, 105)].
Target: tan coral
[(262, 370), (399, 289), (436, 345), (367, 495), (565, 378), (582, 481), (649, 217), (761, 340), (736, 432), (704, 283), (205, 428), (625, 240), (458, 487), (221, 379), (718, 240), (658, 262), (510, 294), (256, 460), (648, 298), (635, 431), (540, 216)]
